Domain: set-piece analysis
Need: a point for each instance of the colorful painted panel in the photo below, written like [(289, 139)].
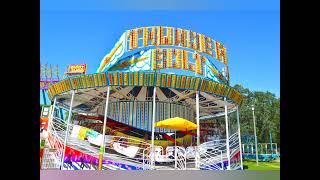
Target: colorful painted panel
[(100, 80), (50, 93), (90, 81), (188, 82), (141, 78), (178, 82), (131, 79), (68, 83), (79, 80), (136, 78), (95, 79), (83, 80), (120, 77), (104, 79), (74, 83), (158, 80), (183, 82), (155, 35), (203, 83), (62, 87), (163, 80), (115, 79), (167, 57), (144, 79), (57, 88)]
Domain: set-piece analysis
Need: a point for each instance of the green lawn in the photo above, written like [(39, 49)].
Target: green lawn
[(252, 165)]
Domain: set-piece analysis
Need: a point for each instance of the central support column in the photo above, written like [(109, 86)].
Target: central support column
[(227, 132), (153, 124), (67, 131), (197, 163), (239, 136), (102, 147)]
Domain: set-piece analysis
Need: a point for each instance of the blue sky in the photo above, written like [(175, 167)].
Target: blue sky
[(84, 31)]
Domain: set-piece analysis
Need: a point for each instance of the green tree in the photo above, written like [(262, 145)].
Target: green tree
[(267, 114)]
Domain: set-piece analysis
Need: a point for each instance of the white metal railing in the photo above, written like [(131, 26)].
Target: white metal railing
[(212, 155), (48, 160), (117, 148), (181, 158), (52, 155), (131, 151), (234, 150), (174, 156)]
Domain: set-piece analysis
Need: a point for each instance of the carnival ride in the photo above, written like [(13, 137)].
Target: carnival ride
[(152, 74), (266, 151), (48, 75)]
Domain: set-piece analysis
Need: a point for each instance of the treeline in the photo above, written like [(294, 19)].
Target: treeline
[(267, 114)]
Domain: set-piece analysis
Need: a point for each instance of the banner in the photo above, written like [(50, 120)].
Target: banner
[(77, 69)]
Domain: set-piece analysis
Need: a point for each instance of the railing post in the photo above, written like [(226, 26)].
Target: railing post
[(175, 150), (197, 163), (51, 115), (221, 158), (227, 132), (251, 148), (143, 160), (267, 148), (67, 131), (102, 147), (153, 125), (185, 160), (239, 136)]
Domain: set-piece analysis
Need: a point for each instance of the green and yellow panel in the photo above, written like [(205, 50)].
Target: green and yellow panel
[(84, 81), (149, 79), (75, 83), (131, 79), (203, 84), (236, 96), (58, 87), (144, 79), (136, 79), (125, 78), (97, 80), (90, 81), (104, 79)]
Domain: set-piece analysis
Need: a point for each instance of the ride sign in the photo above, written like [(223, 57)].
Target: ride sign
[(77, 69)]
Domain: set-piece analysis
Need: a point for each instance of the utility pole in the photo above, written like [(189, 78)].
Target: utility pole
[(255, 135)]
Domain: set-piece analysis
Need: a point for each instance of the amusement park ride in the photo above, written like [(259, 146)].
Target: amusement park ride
[(48, 75), (266, 151), (152, 75)]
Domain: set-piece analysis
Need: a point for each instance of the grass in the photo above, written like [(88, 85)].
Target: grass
[(252, 165)]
